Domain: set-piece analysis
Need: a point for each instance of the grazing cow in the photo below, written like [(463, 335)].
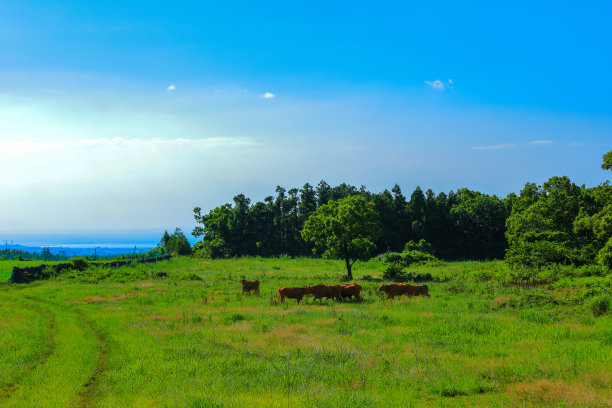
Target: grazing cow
[(292, 293), (325, 291), (417, 290), (395, 289), (248, 286), (351, 289)]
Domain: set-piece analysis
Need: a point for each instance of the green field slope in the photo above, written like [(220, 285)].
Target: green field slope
[(180, 334)]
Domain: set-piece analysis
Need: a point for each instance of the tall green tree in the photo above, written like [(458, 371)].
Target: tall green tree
[(345, 228), (177, 243)]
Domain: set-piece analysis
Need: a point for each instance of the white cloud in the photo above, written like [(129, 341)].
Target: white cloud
[(541, 142), (16, 148), (450, 81), (268, 95), (495, 147), (171, 88), (437, 84)]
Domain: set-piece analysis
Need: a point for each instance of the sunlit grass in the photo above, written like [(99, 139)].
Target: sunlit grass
[(201, 343)]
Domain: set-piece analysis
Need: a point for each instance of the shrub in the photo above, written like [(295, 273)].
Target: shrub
[(600, 305), (390, 257), (79, 264), (593, 270), (212, 249), (521, 274), (190, 276), (419, 277), (395, 273), (414, 256)]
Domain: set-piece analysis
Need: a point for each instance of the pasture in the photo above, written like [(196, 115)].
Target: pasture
[(180, 333)]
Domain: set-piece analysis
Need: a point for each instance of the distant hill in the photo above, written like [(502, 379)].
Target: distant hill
[(82, 250)]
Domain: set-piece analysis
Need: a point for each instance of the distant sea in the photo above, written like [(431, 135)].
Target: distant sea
[(101, 249), (84, 243)]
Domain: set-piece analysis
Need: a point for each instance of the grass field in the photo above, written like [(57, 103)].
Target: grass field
[(191, 339)]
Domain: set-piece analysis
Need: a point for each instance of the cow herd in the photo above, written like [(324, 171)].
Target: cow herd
[(338, 292)]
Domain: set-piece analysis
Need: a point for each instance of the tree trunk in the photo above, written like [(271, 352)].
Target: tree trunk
[(349, 274)]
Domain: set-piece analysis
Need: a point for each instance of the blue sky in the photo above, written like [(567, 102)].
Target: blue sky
[(120, 118)]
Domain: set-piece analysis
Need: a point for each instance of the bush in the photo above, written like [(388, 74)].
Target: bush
[(79, 264), (190, 276), (600, 305), (406, 258), (419, 277), (414, 256), (522, 274), (395, 273), (213, 249), (592, 270), (390, 257)]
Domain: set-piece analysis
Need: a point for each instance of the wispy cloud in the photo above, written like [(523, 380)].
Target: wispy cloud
[(495, 147), (268, 95), (541, 142), (437, 84), (137, 144), (171, 88)]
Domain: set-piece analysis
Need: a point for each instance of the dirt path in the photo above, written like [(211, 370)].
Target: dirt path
[(85, 394)]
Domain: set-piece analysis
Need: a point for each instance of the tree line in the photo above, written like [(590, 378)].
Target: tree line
[(462, 224), (556, 222)]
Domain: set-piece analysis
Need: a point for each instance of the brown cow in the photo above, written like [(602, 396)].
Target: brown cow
[(417, 290), (292, 293), (248, 286), (351, 289), (325, 291), (395, 289)]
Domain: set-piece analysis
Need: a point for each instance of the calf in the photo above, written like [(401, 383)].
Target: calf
[(248, 286), (351, 289), (292, 293)]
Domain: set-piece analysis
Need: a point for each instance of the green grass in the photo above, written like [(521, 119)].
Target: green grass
[(123, 339)]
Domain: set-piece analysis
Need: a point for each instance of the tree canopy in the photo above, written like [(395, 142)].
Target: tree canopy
[(346, 229)]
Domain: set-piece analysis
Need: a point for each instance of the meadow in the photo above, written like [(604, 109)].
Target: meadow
[(180, 333)]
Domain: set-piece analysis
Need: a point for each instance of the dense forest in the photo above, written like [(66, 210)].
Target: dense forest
[(556, 222)]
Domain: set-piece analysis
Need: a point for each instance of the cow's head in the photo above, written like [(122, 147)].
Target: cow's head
[(382, 287)]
